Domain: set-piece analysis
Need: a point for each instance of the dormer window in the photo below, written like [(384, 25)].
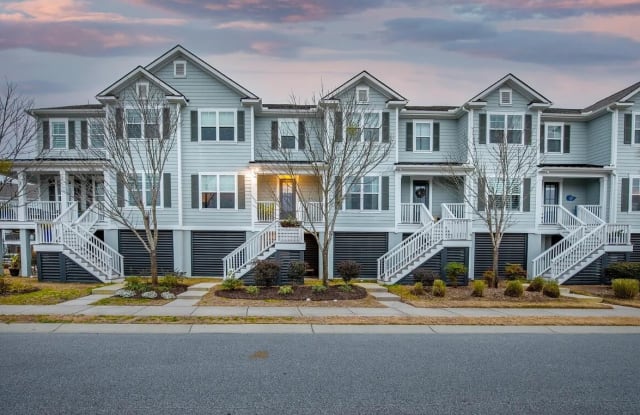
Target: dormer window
[(362, 95), (179, 69), (505, 96), (142, 89)]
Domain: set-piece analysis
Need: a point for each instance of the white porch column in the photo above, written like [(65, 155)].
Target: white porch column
[(398, 204), (254, 199), (601, 200), (25, 253), (64, 189), (110, 191), (540, 197), (22, 196)]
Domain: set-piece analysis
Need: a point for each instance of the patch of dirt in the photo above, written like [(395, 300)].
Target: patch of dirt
[(606, 293), (300, 293)]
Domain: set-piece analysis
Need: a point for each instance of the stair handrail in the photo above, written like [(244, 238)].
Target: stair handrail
[(588, 217), (69, 214), (426, 217), (568, 220), (248, 251), (542, 263), (91, 216), (586, 245)]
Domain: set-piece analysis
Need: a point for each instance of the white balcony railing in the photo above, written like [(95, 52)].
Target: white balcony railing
[(313, 213), (411, 213), (559, 215), (594, 209), (40, 210), (456, 210), (9, 211), (266, 211)]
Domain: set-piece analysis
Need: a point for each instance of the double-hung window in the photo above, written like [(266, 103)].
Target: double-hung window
[(59, 133), (96, 134), (217, 191), (635, 194), (506, 126), (422, 135), (363, 193), (636, 128), (217, 125), (143, 189), (134, 123), (364, 127), (288, 133), (505, 195), (554, 137)]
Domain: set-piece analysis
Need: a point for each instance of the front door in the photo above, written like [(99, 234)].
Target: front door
[(421, 192), (287, 199), (551, 193)]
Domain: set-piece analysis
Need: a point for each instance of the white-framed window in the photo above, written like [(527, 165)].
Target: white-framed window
[(142, 90), (365, 126), (422, 136), (145, 184), (59, 133), (362, 95), (506, 126), (217, 124), (288, 133), (96, 134), (636, 127), (553, 137), (363, 193), (179, 69), (635, 194), (510, 197), (506, 96), (218, 191)]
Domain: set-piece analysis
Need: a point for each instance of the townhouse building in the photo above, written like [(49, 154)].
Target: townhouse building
[(222, 189)]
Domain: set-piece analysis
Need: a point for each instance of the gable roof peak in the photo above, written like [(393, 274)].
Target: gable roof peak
[(389, 92), (510, 77), (139, 70)]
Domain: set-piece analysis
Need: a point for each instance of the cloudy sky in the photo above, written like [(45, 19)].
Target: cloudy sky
[(439, 52)]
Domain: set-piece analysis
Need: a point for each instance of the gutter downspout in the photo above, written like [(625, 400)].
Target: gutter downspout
[(613, 191)]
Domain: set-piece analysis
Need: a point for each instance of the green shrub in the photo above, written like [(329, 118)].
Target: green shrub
[(478, 288), (171, 280), (551, 289), (252, 289), (625, 288), (136, 284), (318, 288), (536, 284), (514, 272), (425, 276), (454, 270), (514, 289), (4, 285), (296, 272), (439, 288), (418, 289), (345, 288), (231, 284), (623, 270), (285, 290), (266, 272), (489, 277), (348, 270)]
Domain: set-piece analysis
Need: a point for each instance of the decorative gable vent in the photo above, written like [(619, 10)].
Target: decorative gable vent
[(505, 96), (179, 69), (362, 94)]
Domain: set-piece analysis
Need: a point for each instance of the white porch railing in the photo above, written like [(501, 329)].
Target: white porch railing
[(266, 211), (559, 215), (91, 216), (586, 215), (313, 214), (410, 213), (455, 209), (9, 211), (290, 235), (242, 256), (594, 209), (40, 210), (542, 263)]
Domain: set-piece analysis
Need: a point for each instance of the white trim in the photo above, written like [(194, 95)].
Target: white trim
[(252, 157), (521, 194), (397, 142), (125, 79), (505, 90), (361, 126), (362, 193), (634, 127), (364, 89), (142, 124), (65, 121), (506, 126), (139, 85), (175, 67), (217, 111), (631, 179), (378, 85), (614, 136), (429, 181), (415, 136), (295, 133), (143, 191), (89, 129), (218, 174), (546, 137), (179, 138), (504, 79)]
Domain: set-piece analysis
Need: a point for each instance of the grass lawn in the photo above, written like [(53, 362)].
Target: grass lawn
[(493, 298), (48, 293), (606, 293)]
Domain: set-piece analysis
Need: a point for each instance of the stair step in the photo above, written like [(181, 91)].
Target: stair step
[(384, 296)]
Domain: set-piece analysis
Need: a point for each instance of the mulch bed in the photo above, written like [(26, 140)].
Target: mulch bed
[(490, 294), (605, 292), (179, 289), (300, 293)]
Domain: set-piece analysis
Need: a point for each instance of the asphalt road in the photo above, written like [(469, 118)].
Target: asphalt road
[(319, 374)]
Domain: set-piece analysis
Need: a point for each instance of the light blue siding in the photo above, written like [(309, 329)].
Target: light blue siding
[(598, 148), (449, 143)]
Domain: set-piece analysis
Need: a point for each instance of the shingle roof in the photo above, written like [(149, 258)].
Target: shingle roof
[(613, 98), (562, 110), (72, 107), (289, 107), (429, 108)]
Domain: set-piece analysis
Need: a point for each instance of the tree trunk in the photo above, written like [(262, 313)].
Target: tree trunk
[(154, 267), (496, 254), (325, 266)]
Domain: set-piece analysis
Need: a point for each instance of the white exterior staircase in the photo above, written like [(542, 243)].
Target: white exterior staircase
[(431, 238), (588, 238), (73, 236)]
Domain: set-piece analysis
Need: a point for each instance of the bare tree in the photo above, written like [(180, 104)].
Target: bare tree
[(496, 176), (139, 136), (17, 140), (339, 142)]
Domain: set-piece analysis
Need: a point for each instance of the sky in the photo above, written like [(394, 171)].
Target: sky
[(440, 52)]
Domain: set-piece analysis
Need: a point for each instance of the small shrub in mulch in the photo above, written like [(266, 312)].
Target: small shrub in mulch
[(439, 288), (10, 287), (515, 272), (536, 284), (625, 288), (300, 293), (551, 289), (138, 287), (477, 288), (514, 289)]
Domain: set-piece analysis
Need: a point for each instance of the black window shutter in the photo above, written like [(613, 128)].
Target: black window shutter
[(119, 124), (481, 195), (338, 193), (542, 135), (166, 184), (409, 140), (195, 191), (385, 127), (46, 142), (526, 195), (274, 135), (166, 122), (240, 123), (627, 128), (302, 135), (84, 139), (194, 125), (436, 136), (528, 122), (385, 193), (120, 190), (624, 195), (566, 145), (241, 191), (337, 126), (72, 134), (482, 124)]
